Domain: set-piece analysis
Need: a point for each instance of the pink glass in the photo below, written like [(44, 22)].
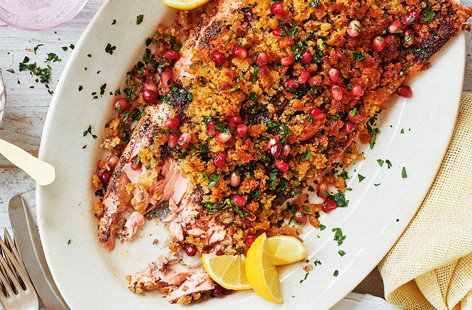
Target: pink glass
[(39, 14)]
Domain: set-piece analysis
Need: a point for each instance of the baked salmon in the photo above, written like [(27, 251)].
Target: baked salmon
[(261, 100)]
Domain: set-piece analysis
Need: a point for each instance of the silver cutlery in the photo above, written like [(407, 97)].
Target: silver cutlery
[(17, 291), (29, 245)]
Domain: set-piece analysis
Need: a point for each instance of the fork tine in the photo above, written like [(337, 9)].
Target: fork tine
[(6, 283), (10, 245), (15, 285), (23, 276)]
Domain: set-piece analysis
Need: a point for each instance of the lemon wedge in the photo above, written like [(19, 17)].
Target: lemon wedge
[(285, 250), (261, 272), (184, 4), (226, 270)]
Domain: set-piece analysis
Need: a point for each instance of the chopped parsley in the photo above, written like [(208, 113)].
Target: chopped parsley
[(389, 163), (336, 273), (315, 3), (53, 57), (44, 74), (377, 184), (322, 227), (89, 131), (421, 52), (69, 241), (139, 19), (113, 22), (374, 134), (338, 235), (340, 199), (380, 162), (429, 15), (110, 48), (360, 177), (35, 49), (80, 87), (341, 253), (358, 56), (11, 70), (306, 276), (102, 89), (404, 174)]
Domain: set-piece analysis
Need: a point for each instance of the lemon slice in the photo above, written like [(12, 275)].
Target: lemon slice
[(184, 4), (285, 250), (226, 270), (261, 272)]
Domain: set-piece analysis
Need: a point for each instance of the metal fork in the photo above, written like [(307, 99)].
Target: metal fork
[(16, 289)]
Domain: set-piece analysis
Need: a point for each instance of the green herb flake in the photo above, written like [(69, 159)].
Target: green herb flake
[(139, 19), (358, 56), (336, 273), (306, 276), (389, 163), (80, 88), (11, 70), (429, 15), (404, 174), (315, 3), (65, 48), (341, 253), (89, 131), (338, 235), (53, 57), (340, 199), (380, 162), (377, 184), (322, 227), (360, 177), (35, 49), (113, 22), (110, 49), (69, 241)]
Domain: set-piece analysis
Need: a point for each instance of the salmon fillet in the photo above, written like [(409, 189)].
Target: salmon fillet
[(168, 179)]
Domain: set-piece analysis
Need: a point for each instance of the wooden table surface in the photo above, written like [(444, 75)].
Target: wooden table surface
[(28, 102)]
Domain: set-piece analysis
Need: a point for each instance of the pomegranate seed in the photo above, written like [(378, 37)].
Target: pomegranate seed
[(336, 92), (317, 114), (190, 250), (286, 61), (217, 292), (286, 150), (354, 28), (354, 117), (121, 104), (379, 43), (166, 78), (220, 160), (395, 27), (277, 32), (250, 239), (172, 55), (300, 217), (262, 59), (276, 150), (334, 74), (234, 121), (281, 165), (150, 96), (235, 179), (238, 201), (409, 36), (184, 140), (277, 8), (411, 18), (350, 126), (340, 54), (322, 190), (304, 76), (329, 205), (290, 83), (172, 123), (105, 177), (241, 130), (240, 52), (173, 139), (218, 58), (404, 91), (150, 85), (113, 161), (135, 163), (273, 141), (211, 128), (357, 91), (306, 57), (251, 217), (223, 137)]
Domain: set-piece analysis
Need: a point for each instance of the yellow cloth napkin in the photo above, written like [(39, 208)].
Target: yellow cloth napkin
[(430, 266)]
